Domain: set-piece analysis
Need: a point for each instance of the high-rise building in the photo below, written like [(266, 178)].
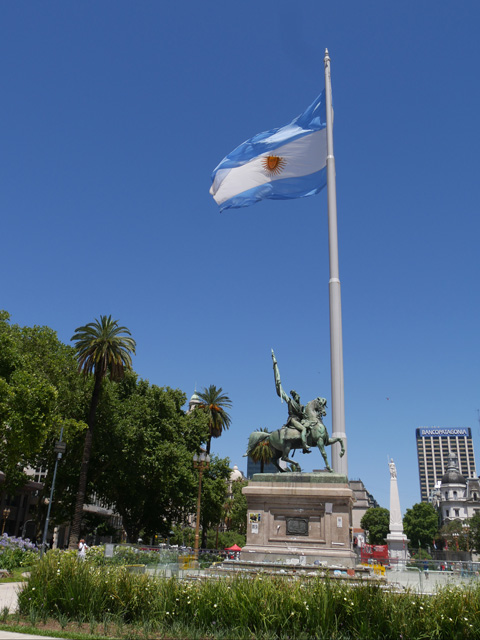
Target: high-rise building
[(434, 446)]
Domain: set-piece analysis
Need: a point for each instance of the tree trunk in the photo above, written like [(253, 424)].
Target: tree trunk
[(87, 450)]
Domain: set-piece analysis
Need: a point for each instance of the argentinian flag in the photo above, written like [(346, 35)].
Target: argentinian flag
[(284, 163)]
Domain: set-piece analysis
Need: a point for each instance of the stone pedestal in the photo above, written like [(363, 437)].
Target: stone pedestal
[(302, 518), (397, 550)]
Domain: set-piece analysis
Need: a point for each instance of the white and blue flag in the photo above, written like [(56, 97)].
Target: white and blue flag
[(284, 163)]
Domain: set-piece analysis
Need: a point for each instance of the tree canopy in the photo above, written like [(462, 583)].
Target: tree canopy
[(456, 535), (142, 445), (474, 532), (420, 524), (144, 456), (262, 453), (101, 346), (214, 493), (376, 521), (141, 457), (237, 515), (40, 392), (214, 404)]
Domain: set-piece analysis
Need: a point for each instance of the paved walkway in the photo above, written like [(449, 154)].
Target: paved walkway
[(8, 595), (8, 635), (8, 598)]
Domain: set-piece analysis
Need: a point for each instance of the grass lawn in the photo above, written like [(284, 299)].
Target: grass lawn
[(15, 576)]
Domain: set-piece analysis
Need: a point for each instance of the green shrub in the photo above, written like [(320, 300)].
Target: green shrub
[(242, 607), (127, 555)]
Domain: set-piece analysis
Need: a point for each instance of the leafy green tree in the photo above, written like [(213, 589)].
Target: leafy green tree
[(40, 392), (214, 404), (454, 536), (102, 346), (214, 495), (224, 539), (376, 521), (238, 509), (68, 470), (474, 532), (418, 555), (420, 524), (144, 456), (457, 535), (27, 416)]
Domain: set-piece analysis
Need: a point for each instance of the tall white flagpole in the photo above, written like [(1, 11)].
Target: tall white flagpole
[(339, 464)]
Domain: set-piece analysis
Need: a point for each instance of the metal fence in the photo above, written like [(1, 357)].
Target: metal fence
[(429, 576)]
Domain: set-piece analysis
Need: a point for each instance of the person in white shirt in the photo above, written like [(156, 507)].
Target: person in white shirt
[(82, 549)]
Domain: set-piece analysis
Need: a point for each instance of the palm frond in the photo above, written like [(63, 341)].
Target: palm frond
[(103, 345), (213, 403)]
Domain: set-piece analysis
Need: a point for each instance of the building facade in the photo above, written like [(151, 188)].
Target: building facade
[(434, 448), (456, 497), (363, 501)]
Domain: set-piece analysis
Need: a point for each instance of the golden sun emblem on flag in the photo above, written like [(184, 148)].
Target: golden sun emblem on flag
[(273, 164)]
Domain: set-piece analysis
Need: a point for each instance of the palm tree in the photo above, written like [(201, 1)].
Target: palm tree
[(213, 403), (102, 346), (262, 453)]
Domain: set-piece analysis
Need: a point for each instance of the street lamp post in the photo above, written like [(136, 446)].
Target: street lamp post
[(466, 533), (456, 536), (200, 462), (6, 513), (60, 448)]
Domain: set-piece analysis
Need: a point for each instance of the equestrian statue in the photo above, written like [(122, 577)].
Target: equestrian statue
[(304, 428)]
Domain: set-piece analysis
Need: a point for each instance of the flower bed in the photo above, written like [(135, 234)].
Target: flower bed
[(264, 607), (16, 552)]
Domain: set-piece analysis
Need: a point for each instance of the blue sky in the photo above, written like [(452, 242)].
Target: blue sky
[(113, 116)]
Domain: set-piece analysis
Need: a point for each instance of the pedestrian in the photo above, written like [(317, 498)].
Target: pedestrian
[(425, 568), (82, 549)]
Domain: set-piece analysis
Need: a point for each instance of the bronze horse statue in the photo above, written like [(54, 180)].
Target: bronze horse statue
[(283, 440)]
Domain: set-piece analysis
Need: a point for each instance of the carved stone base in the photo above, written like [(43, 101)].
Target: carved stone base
[(302, 518), (397, 550)]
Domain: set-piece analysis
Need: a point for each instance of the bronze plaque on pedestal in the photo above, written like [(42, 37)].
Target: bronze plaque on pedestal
[(297, 526)]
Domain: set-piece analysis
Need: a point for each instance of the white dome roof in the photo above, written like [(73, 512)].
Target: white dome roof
[(236, 474)]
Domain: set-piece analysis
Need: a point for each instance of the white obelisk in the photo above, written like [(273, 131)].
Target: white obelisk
[(397, 541)]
